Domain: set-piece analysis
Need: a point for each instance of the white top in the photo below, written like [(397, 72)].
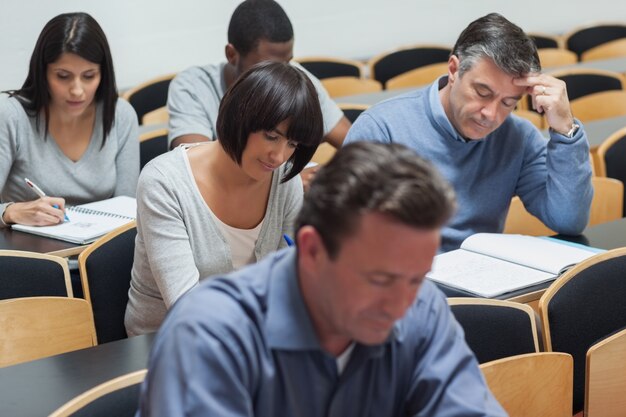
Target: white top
[(241, 241)]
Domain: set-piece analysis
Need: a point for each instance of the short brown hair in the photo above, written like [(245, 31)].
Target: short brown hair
[(366, 177)]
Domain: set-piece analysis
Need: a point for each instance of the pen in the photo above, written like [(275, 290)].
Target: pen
[(289, 241), (40, 193)]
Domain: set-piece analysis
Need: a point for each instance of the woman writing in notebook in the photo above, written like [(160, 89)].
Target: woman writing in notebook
[(212, 207), (65, 129)]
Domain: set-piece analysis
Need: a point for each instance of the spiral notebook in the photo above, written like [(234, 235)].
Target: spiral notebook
[(88, 221)]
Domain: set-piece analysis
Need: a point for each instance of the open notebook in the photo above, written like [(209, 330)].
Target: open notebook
[(492, 264), (88, 221)]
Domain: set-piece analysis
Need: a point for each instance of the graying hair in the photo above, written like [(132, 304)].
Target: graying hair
[(496, 38)]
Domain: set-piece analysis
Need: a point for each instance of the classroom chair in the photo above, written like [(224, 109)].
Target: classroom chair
[(546, 40), (496, 329), (158, 116), (30, 274), (597, 106), (105, 272), (151, 145), (605, 377), (581, 82), (582, 306), (149, 96), (117, 397), (611, 157), (327, 67), (556, 57), (346, 86), (37, 327), (352, 111), (606, 206), (392, 63), (534, 384), (608, 50), (584, 38), (418, 77)]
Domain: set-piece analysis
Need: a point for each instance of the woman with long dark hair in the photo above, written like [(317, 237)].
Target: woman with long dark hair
[(65, 129), (211, 207)]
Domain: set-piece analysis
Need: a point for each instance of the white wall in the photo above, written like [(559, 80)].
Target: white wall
[(154, 37)]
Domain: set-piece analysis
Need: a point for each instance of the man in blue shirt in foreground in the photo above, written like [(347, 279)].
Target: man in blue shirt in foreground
[(344, 325), (463, 124)]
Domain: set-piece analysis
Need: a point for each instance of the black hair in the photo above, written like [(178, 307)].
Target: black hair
[(79, 34), (371, 177), (254, 20), (262, 98)]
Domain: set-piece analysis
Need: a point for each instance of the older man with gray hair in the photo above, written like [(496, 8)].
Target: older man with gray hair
[(463, 124)]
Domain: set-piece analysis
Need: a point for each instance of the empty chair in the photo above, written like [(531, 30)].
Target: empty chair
[(496, 329), (37, 327), (606, 205), (149, 96), (352, 111), (612, 49), (582, 306), (151, 145), (327, 67), (345, 86), (535, 384), (157, 116), (389, 64), (598, 106), (556, 57), (545, 40), (605, 377), (419, 76), (29, 274), (611, 155), (582, 39), (105, 268), (117, 397)]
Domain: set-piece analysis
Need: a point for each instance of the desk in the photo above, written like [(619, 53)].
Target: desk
[(373, 98), (37, 388), (14, 240), (613, 64)]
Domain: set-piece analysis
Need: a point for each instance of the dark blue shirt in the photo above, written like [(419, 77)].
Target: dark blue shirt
[(244, 345)]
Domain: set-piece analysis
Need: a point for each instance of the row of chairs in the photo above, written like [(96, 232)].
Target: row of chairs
[(582, 314), (39, 316)]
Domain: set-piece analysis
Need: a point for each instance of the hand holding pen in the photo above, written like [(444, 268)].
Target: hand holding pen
[(41, 212)]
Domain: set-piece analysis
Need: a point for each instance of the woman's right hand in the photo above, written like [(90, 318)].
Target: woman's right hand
[(40, 212)]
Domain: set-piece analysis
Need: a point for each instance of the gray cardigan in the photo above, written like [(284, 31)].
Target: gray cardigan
[(178, 242)]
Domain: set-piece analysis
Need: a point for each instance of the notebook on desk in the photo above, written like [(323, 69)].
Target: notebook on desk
[(88, 222), (492, 264)]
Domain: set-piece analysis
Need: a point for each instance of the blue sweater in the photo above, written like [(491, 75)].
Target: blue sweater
[(552, 177)]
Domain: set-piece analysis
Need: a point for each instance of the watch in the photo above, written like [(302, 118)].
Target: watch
[(570, 134)]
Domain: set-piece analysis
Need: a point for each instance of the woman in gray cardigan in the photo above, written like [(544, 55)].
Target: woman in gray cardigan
[(211, 207), (65, 129)]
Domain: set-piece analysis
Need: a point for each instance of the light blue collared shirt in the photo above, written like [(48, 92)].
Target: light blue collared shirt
[(244, 345)]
